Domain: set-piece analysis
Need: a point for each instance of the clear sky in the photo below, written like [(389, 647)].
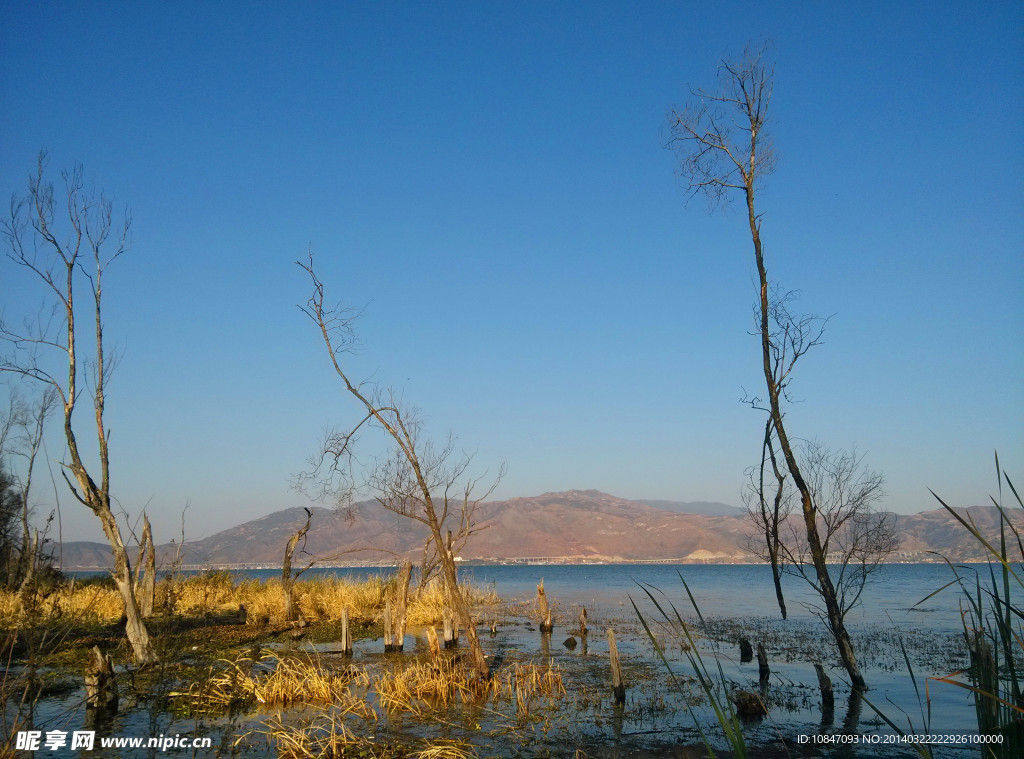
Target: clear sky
[(490, 181)]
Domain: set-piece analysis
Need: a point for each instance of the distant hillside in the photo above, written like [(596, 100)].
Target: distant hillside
[(576, 525), (708, 508)]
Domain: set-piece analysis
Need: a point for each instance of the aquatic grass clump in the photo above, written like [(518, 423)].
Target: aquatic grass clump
[(424, 687), (276, 680), (716, 689), (326, 736), (527, 682)]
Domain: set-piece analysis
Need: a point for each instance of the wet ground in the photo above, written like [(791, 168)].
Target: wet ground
[(665, 713)]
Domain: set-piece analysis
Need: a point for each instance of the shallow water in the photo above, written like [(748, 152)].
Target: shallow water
[(735, 600)]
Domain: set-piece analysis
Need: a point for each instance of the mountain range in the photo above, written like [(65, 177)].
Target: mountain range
[(570, 526)]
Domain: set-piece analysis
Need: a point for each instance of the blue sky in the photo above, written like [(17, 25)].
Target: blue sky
[(490, 181)]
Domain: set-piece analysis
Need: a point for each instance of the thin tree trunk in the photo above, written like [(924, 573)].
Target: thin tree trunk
[(459, 605), (135, 628), (146, 588), (827, 589), (287, 579), (773, 538)]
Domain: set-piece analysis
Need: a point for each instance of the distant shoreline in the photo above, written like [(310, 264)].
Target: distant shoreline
[(541, 562)]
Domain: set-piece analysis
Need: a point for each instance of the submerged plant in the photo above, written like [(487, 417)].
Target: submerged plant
[(714, 688)]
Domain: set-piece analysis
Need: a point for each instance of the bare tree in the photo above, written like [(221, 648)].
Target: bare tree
[(34, 426), (11, 499), (62, 251), (725, 150), (416, 479), (855, 537)]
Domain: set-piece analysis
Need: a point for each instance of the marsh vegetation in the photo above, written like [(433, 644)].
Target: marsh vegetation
[(232, 668)]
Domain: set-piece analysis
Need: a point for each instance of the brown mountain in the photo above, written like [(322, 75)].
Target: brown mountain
[(576, 525)]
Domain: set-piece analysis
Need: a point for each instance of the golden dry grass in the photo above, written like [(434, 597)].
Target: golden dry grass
[(320, 599), (88, 604), (424, 687), (276, 680)]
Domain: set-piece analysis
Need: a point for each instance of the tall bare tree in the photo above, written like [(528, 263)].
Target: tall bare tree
[(64, 250), (725, 150), (416, 479)]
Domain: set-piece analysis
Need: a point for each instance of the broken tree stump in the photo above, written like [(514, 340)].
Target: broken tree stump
[(432, 642), (763, 670), (828, 703), (746, 651), (346, 634), (583, 622), (451, 633), (618, 687), (388, 645), (749, 706), (401, 604), (546, 625), (100, 686)]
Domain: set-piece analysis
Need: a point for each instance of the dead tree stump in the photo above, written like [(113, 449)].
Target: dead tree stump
[(346, 634), (828, 703), (451, 633), (546, 625), (401, 603), (763, 670), (746, 651), (432, 642), (618, 687), (749, 706), (583, 622), (388, 645), (100, 686)]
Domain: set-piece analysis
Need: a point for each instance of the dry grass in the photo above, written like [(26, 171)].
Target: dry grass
[(323, 599), (423, 688), (326, 736), (213, 592), (89, 604), (200, 594), (274, 680)]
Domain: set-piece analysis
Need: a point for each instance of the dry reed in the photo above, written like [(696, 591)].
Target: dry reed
[(88, 604), (279, 681)]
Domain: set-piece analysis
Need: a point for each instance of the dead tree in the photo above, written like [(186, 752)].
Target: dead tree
[(61, 256), (418, 480), (145, 563), (855, 537), (34, 426), (725, 150), (287, 578)]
